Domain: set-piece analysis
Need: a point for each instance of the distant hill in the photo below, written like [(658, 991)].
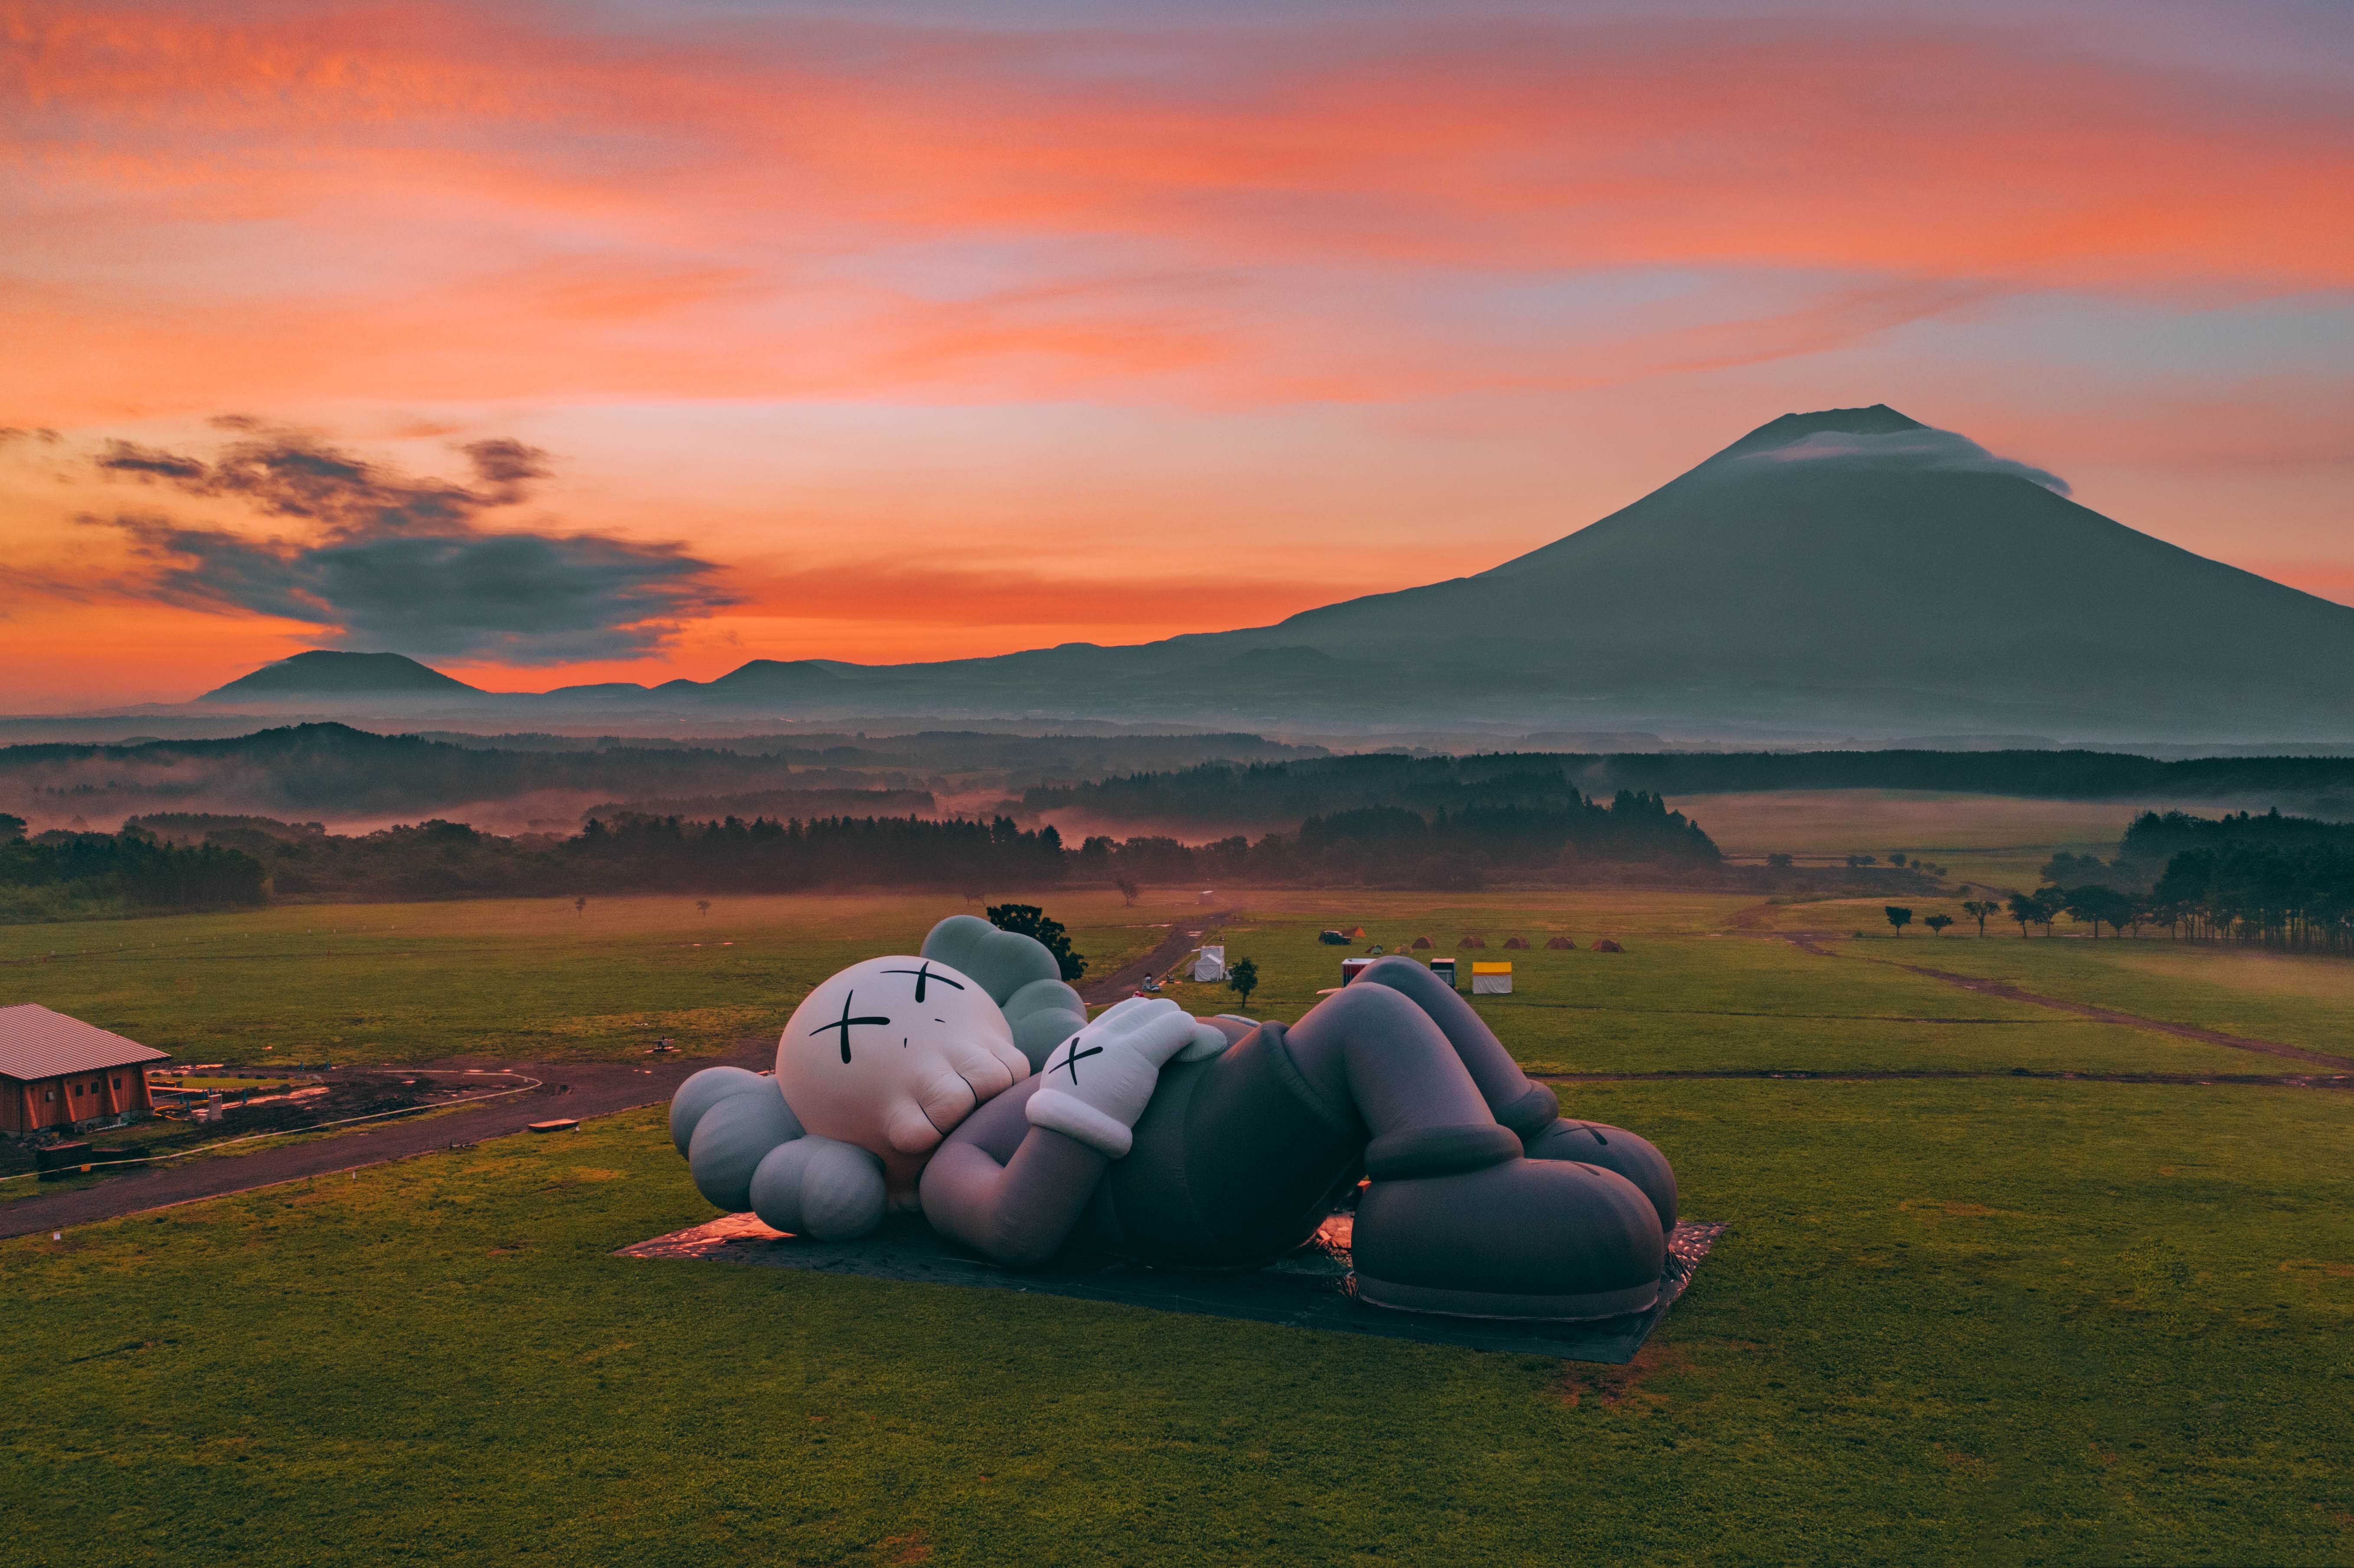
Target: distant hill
[(1846, 571), (325, 673)]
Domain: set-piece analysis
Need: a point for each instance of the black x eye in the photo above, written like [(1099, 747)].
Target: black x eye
[(923, 974), (845, 1023)]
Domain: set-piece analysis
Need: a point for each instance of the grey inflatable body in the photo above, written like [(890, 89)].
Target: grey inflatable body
[(1482, 1200), (1020, 975)]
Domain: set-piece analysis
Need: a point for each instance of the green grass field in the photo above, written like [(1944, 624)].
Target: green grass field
[(512, 979), (1996, 1318)]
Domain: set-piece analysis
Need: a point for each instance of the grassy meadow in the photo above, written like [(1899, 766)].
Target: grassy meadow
[(1988, 1318), (1998, 841), (510, 980)]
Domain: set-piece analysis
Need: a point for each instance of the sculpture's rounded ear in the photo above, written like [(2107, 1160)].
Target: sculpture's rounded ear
[(707, 1088), (1003, 961), (819, 1187), (1043, 1015), (731, 1139)]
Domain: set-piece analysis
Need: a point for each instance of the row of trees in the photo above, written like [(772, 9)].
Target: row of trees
[(633, 851), (2300, 901), (1494, 807), (131, 867)]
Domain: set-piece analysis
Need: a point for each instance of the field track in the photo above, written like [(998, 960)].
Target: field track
[(581, 1089), (1811, 942)]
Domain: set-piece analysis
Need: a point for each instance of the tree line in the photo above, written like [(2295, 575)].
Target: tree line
[(135, 869), (1221, 794), (630, 851), (2273, 881)]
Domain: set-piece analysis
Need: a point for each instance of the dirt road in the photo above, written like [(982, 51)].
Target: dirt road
[(568, 1089), (1811, 942), (1183, 937)]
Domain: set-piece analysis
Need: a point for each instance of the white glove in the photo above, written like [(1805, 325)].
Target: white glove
[(1097, 1083)]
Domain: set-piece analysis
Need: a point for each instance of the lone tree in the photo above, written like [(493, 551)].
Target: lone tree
[(581, 904), (703, 907), (1979, 909), (1129, 888), (1938, 923), (1029, 920), (1242, 979), (1898, 917)]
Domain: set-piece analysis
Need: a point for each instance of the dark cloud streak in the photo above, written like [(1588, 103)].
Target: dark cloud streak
[(393, 561)]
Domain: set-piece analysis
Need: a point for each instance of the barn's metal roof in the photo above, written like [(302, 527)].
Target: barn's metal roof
[(36, 1043)]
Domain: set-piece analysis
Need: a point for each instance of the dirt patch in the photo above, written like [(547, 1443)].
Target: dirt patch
[(1627, 1386), (1966, 1464)]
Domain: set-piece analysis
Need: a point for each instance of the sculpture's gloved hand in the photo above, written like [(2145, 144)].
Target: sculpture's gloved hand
[(1096, 1083)]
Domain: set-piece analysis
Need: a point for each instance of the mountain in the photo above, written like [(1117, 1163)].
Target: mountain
[(325, 673), (1846, 571)]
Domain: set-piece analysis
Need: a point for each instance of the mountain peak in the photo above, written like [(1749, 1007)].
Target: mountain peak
[(1879, 420), (330, 671)]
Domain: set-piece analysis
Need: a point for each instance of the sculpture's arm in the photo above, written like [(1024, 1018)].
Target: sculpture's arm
[(1007, 1189)]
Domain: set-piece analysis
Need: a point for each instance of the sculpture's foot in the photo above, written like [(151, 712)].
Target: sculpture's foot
[(1613, 1149), (1510, 1238)]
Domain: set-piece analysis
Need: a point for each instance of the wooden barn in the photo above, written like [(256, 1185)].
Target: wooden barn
[(59, 1073)]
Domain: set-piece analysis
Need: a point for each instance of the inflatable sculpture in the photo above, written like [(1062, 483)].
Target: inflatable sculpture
[(966, 1083)]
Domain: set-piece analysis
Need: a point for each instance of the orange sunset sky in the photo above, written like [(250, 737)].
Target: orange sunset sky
[(630, 340)]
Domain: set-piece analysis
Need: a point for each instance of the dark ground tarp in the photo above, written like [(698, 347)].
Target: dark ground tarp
[(1312, 1289)]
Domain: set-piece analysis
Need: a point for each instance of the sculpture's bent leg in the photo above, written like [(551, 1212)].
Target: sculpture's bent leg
[(1527, 1107), (1457, 1220)]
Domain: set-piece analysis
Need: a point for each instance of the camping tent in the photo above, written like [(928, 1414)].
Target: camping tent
[(1491, 979), (1562, 945), (1520, 942), (1421, 942), (1472, 942), (1608, 946), (1211, 965)]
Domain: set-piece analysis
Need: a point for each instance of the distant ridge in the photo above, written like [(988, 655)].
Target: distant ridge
[(327, 672)]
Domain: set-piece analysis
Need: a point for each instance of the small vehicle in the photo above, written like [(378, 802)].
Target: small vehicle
[(1333, 938)]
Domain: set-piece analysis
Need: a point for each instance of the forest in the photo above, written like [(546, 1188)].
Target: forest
[(626, 851), (2272, 881), (1222, 796), (134, 870)]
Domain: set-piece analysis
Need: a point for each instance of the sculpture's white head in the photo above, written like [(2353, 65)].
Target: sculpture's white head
[(890, 1055)]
